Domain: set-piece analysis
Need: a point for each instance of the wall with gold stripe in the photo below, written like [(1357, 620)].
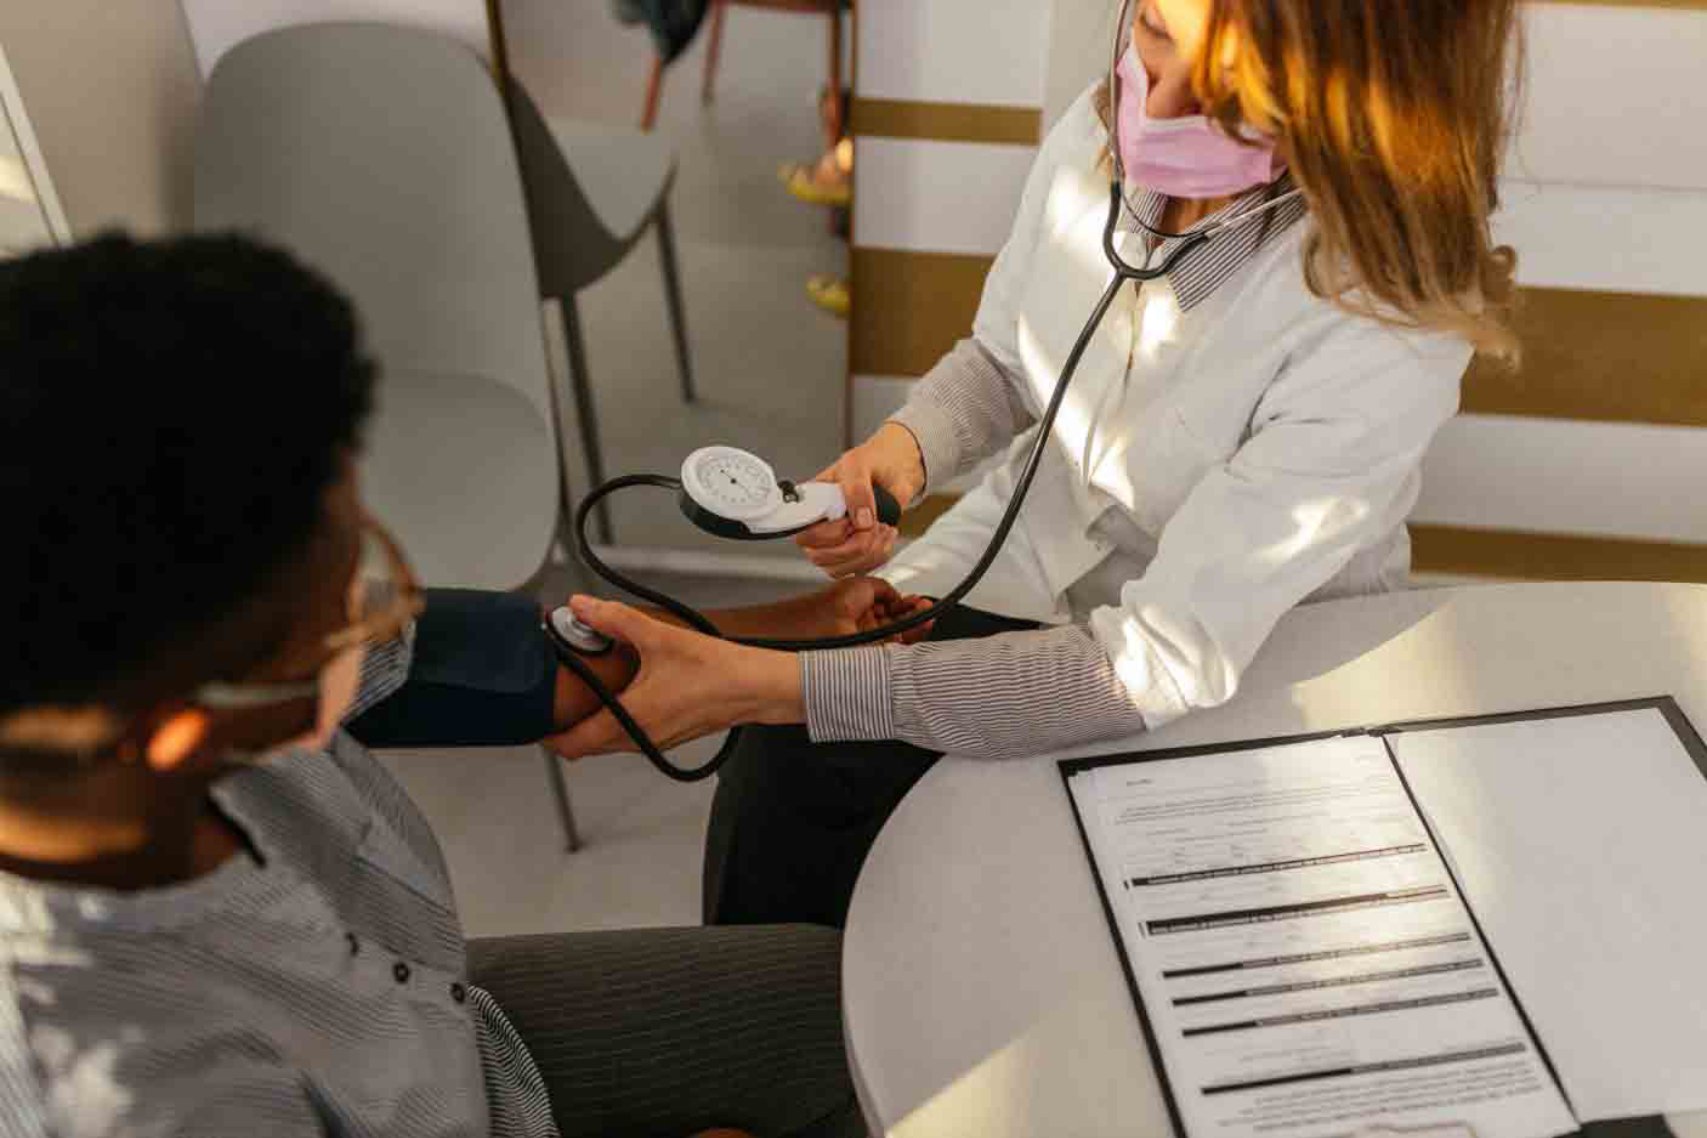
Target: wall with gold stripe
[(1590, 462)]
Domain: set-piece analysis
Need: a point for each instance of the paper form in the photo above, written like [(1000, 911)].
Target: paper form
[(1581, 843), (1305, 963)]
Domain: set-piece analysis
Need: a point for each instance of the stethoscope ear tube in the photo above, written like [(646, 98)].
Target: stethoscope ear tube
[(572, 660)]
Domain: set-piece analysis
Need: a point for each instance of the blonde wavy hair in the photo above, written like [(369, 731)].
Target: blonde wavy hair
[(1393, 118)]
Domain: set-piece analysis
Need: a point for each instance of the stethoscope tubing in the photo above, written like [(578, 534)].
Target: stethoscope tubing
[(1124, 273)]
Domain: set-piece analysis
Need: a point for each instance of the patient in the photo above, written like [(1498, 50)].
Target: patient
[(220, 915)]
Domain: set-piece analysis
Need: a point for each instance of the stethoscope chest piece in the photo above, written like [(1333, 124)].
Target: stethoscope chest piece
[(568, 632)]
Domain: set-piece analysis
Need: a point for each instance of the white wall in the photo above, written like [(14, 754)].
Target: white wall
[(31, 214), (953, 51), (111, 89), (1606, 193), (1081, 36), (218, 25)]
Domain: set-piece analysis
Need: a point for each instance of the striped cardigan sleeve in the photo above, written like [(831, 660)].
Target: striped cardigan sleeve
[(967, 408), (1006, 696)]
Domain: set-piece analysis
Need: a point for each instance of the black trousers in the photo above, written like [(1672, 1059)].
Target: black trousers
[(792, 820), (661, 1033)]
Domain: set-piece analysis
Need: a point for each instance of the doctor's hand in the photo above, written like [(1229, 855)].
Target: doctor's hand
[(859, 542), (688, 685)]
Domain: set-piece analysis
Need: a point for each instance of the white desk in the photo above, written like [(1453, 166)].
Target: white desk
[(982, 993)]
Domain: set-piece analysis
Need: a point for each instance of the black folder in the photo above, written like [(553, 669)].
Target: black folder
[(1647, 1126)]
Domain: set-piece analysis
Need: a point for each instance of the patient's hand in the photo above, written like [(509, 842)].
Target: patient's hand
[(856, 604), (691, 685), (688, 685)]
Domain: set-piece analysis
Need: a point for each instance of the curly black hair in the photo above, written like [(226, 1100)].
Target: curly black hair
[(171, 415)]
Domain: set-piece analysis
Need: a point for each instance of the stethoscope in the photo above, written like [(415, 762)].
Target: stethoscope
[(735, 494)]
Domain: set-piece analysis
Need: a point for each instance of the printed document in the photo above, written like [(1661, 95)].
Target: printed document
[(1302, 958)]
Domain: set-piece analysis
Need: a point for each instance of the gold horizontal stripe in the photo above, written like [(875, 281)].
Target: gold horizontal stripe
[(1603, 356), (1553, 557), (910, 308), (1697, 4), (922, 516), (947, 122)]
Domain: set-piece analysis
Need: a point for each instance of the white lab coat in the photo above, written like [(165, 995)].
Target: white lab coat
[(1263, 448)]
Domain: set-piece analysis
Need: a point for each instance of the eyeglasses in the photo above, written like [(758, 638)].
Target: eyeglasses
[(384, 598)]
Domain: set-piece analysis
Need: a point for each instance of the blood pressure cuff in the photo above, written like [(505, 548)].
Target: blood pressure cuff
[(482, 674)]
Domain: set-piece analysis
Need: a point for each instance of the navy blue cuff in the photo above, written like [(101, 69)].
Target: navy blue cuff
[(482, 675)]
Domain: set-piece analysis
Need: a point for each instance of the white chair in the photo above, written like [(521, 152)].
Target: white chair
[(593, 191), (382, 156)]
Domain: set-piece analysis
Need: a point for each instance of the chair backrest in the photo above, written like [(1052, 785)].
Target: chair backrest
[(382, 156), (217, 26), (572, 249)]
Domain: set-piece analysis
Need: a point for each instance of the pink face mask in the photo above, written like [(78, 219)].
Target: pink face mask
[(1186, 157)]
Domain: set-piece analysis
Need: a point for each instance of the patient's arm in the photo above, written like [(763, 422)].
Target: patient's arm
[(853, 605), (575, 700), (477, 670)]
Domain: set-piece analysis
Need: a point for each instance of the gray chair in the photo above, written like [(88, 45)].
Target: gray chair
[(592, 192), (382, 156)]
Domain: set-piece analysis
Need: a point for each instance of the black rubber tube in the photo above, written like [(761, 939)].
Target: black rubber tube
[(697, 620)]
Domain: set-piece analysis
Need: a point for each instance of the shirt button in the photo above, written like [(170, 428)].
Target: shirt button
[(401, 971), (355, 943), (458, 993)]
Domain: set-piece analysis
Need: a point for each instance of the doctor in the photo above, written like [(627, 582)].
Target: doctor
[(1244, 433)]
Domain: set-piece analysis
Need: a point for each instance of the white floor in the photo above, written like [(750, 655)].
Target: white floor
[(493, 814)]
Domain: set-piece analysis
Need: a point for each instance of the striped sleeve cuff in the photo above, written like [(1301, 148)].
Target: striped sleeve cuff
[(1012, 695), (847, 695), (963, 411), (929, 424), (385, 668)]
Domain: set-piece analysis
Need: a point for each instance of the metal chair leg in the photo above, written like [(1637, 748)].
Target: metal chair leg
[(654, 95), (673, 295), (581, 384), (560, 794), (837, 127), (713, 51)]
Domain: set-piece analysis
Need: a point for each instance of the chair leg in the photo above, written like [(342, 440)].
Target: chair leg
[(565, 486), (835, 122), (654, 94), (673, 295), (713, 51), (560, 795), (581, 384), (837, 126)]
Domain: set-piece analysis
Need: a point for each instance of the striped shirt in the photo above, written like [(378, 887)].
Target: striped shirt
[(320, 990)]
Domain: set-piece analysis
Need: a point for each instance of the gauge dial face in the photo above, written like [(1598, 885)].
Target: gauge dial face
[(731, 483)]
